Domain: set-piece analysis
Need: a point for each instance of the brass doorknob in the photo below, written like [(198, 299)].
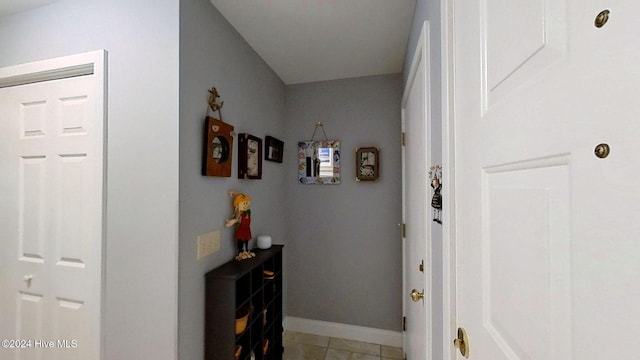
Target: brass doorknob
[(417, 295), (462, 342)]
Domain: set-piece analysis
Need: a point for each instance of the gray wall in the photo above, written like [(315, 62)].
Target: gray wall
[(142, 190), (430, 10), (343, 247), (344, 251), (212, 53)]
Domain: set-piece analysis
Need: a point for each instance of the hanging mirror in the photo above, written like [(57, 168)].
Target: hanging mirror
[(220, 149), (319, 162)]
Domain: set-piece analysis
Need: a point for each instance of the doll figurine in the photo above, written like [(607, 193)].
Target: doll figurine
[(435, 174), (241, 217)]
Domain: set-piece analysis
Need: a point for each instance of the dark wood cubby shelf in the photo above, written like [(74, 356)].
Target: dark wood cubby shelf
[(237, 285)]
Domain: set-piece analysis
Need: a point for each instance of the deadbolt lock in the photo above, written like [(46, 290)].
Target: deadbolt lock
[(462, 343)]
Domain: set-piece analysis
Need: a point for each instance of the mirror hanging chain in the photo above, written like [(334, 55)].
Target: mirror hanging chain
[(320, 125)]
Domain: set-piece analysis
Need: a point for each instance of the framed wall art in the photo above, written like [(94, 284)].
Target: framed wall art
[(367, 164), (273, 149), (249, 157), (218, 148), (319, 162)]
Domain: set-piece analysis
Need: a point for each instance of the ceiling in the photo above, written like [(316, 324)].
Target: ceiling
[(316, 40), (311, 40), (8, 7)]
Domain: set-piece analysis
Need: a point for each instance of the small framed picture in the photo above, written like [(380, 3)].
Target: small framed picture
[(249, 157), (273, 149), (367, 164)]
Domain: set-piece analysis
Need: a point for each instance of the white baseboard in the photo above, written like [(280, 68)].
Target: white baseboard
[(344, 331)]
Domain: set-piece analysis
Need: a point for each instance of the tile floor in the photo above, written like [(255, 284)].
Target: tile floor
[(300, 346)]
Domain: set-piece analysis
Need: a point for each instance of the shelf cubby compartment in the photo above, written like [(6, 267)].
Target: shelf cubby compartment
[(256, 280), (237, 285), (243, 290)]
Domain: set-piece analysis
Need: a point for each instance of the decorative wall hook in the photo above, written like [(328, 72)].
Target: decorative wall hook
[(213, 104)]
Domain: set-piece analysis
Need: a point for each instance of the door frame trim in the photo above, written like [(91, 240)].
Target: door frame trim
[(421, 56), (449, 300), (46, 75), (53, 69), (92, 63)]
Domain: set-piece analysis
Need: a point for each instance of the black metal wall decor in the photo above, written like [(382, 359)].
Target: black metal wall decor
[(435, 174)]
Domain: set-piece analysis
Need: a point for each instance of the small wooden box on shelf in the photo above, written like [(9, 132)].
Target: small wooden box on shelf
[(253, 285)]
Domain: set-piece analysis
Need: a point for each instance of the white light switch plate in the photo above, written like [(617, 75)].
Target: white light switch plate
[(208, 243)]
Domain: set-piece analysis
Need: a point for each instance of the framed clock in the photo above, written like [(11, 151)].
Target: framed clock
[(218, 148), (249, 157)]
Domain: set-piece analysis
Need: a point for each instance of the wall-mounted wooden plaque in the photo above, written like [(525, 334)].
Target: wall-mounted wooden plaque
[(218, 148)]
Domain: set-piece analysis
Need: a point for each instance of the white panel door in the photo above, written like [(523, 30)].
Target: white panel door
[(416, 205), (51, 216), (547, 232)]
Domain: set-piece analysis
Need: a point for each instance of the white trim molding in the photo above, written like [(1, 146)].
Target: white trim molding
[(88, 63), (447, 46), (343, 331)]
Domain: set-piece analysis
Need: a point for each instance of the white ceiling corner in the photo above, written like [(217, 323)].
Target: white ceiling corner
[(317, 40), (8, 7)]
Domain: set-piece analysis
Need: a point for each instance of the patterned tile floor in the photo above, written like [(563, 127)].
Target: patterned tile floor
[(300, 346)]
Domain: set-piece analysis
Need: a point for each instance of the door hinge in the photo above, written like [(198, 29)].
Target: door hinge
[(403, 229), (402, 139), (404, 323)]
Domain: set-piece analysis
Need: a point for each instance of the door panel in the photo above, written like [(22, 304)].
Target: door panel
[(416, 221), (526, 258), (545, 229), (520, 40), (32, 205), (416, 205), (51, 136)]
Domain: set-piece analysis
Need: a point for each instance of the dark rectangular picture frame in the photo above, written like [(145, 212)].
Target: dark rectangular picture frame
[(273, 149), (249, 157), (367, 163)]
